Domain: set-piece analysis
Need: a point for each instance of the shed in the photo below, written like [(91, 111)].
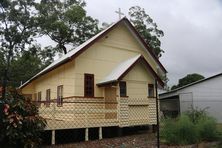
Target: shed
[(203, 94)]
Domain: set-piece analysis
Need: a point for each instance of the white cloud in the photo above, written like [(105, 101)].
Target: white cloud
[(193, 31)]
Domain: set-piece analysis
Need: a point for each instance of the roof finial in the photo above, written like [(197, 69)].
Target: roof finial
[(119, 13)]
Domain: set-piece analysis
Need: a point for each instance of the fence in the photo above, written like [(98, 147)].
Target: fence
[(97, 113)]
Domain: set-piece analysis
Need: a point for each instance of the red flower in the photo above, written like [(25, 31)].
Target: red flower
[(6, 109)]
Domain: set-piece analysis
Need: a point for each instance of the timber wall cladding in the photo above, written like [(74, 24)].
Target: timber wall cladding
[(138, 115), (106, 54), (91, 112), (123, 112), (121, 38), (139, 111), (152, 111), (64, 75), (79, 113)]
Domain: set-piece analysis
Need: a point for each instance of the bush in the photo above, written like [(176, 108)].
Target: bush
[(20, 124), (207, 129), (189, 128), (180, 131), (206, 126), (168, 131), (196, 114)]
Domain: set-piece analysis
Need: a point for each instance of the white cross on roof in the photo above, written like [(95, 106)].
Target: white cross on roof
[(119, 13)]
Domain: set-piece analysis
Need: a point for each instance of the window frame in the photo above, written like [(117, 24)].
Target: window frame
[(87, 85), (48, 97), (39, 98), (60, 96), (151, 93), (123, 83), (35, 98)]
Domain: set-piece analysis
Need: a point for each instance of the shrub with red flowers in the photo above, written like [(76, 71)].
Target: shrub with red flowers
[(20, 123)]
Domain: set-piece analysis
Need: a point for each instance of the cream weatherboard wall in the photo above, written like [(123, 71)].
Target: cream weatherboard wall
[(137, 82), (121, 38), (100, 59), (63, 75), (141, 108)]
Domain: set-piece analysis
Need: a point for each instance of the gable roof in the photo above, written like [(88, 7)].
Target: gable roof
[(123, 68), (148, 48), (77, 51), (191, 84), (119, 70)]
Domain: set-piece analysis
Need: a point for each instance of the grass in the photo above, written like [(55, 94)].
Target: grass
[(219, 126), (190, 128)]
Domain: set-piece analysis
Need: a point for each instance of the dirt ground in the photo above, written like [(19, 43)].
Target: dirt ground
[(138, 140)]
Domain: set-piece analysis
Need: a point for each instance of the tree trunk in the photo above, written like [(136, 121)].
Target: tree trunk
[(5, 77), (63, 48), (4, 83)]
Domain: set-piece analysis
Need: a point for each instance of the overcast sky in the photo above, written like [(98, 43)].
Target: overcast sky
[(193, 31)]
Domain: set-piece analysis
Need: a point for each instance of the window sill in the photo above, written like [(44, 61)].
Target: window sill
[(151, 97), (124, 96), (59, 105)]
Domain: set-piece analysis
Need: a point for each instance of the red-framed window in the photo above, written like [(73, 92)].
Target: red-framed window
[(35, 97), (150, 90), (122, 88), (39, 99), (59, 95), (48, 97), (88, 85)]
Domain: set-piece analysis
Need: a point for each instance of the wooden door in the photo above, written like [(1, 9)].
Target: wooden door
[(111, 102)]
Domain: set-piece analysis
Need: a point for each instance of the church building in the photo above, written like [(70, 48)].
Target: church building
[(109, 80)]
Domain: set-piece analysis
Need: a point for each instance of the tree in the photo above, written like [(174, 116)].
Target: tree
[(20, 123), (147, 28), (65, 22), (1, 66), (28, 63), (190, 78), (17, 29)]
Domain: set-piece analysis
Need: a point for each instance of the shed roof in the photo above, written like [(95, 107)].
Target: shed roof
[(191, 84)]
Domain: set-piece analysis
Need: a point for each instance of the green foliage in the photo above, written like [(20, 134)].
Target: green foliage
[(18, 27), (190, 78), (20, 124), (207, 129), (196, 114), (17, 24), (182, 131), (205, 125), (2, 64), (26, 64), (147, 28), (174, 87), (65, 22), (189, 128)]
